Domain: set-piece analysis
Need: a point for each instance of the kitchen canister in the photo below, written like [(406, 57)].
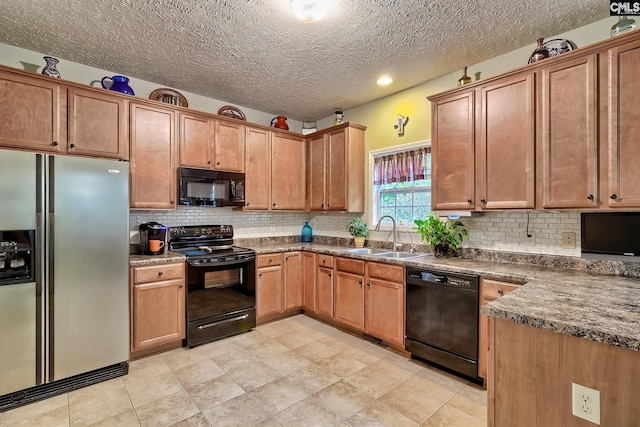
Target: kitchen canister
[(307, 233)]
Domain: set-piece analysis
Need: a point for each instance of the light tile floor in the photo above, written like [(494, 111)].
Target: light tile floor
[(293, 372)]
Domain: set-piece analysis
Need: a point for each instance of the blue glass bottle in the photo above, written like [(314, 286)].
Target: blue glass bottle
[(307, 233)]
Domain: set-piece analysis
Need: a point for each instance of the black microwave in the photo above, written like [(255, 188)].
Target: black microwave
[(202, 187)]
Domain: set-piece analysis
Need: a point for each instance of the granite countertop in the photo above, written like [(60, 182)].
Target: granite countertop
[(600, 308), (168, 256)]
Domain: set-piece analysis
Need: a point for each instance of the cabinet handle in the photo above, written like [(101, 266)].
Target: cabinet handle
[(72, 145), (469, 201), (484, 201), (590, 197), (500, 292), (613, 196), (160, 273), (54, 143)]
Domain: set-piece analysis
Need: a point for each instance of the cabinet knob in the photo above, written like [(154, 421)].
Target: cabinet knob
[(209, 162), (500, 292), (172, 202), (590, 197), (286, 258), (484, 201), (260, 275), (322, 206), (247, 203), (270, 260), (274, 205), (180, 287), (469, 201), (613, 196), (323, 261), (160, 273), (369, 285), (328, 205), (72, 145), (360, 282), (329, 274), (54, 143), (217, 163)]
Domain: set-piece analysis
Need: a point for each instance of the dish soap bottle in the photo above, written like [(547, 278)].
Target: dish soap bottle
[(307, 233)]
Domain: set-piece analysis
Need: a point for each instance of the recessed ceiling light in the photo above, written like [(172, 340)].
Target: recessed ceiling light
[(384, 81), (309, 10)]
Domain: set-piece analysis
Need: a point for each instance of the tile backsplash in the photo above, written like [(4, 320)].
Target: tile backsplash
[(500, 231)]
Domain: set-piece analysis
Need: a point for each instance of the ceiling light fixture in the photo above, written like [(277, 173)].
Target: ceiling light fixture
[(384, 81), (309, 10)]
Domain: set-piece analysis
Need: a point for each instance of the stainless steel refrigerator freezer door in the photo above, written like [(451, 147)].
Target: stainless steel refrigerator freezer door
[(89, 250), (20, 328), (17, 337)]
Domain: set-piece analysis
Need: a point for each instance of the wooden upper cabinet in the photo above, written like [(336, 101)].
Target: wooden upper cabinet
[(257, 169), (336, 169), (33, 113), (98, 124), (196, 140), (287, 172), (453, 152), (624, 126), (569, 133), (316, 174), (507, 143), (153, 153), (228, 152)]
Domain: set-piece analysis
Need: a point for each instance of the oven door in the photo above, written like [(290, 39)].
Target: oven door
[(221, 300)]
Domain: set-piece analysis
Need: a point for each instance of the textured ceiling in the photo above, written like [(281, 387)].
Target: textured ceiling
[(254, 53)]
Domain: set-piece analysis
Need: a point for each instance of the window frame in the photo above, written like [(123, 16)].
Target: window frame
[(373, 206)]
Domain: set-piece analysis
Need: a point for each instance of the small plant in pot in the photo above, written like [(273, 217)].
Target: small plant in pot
[(444, 236), (358, 230)]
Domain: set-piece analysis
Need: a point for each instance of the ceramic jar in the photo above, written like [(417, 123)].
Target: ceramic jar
[(118, 84)]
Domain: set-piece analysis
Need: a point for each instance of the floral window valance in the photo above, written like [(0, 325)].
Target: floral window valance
[(404, 166)]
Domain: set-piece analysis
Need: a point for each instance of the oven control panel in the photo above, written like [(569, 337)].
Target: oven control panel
[(201, 231)]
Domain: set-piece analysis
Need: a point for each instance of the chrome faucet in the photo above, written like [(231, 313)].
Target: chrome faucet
[(395, 245)]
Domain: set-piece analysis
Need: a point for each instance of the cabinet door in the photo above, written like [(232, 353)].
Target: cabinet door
[(196, 138), (269, 291), (33, 113), (507, 143), (228, 153), (158, 313), (288, 172), (317, 173), (453, 152), (624, 126), (489, 291), (349, 300), (153, 171), (569, 134), (384, 310), (98, 124), (292, 280), (258, 169), (309, 281), (337, 170), (324, 292)]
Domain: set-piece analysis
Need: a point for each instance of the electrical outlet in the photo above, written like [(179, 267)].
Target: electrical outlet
[(568, 239), (586, 403)]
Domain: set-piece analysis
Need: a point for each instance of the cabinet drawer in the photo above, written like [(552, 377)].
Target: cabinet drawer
[(269, 260), (325, 261), (348, 265), (492, 289), (154, 273), (392, 273)]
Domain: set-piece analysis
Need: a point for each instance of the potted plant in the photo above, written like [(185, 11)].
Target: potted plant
[(444, 236), (358, 230)]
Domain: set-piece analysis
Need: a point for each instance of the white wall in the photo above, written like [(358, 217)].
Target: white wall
[(26, 60)]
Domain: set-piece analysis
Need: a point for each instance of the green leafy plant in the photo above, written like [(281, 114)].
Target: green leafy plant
[(435, 231), (357, 227)]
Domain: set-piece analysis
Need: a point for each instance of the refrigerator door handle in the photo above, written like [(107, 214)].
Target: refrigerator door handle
[(40, 276), (49, 262)]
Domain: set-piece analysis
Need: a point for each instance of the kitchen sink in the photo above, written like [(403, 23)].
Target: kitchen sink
[(368, 251), (399, 255)]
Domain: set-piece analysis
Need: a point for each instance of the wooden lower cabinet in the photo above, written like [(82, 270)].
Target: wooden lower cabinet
[(292, 280), (157, 307), (531, 372), (269, 298), (349, 293), (385, 303), (309, 281), (324, 287), (489, 290)]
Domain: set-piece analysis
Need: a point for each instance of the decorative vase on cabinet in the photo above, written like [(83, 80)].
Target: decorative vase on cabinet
[(50, 68), (307, 233)]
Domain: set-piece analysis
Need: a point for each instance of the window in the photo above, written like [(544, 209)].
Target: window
[(402, 184)]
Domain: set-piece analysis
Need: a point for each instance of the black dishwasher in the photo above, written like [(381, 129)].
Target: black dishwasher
[(442, 320)]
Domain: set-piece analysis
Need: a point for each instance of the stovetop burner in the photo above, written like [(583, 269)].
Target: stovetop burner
[(207, 243)]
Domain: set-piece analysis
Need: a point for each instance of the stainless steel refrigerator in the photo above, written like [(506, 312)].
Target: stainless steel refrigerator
[(64, 268)]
